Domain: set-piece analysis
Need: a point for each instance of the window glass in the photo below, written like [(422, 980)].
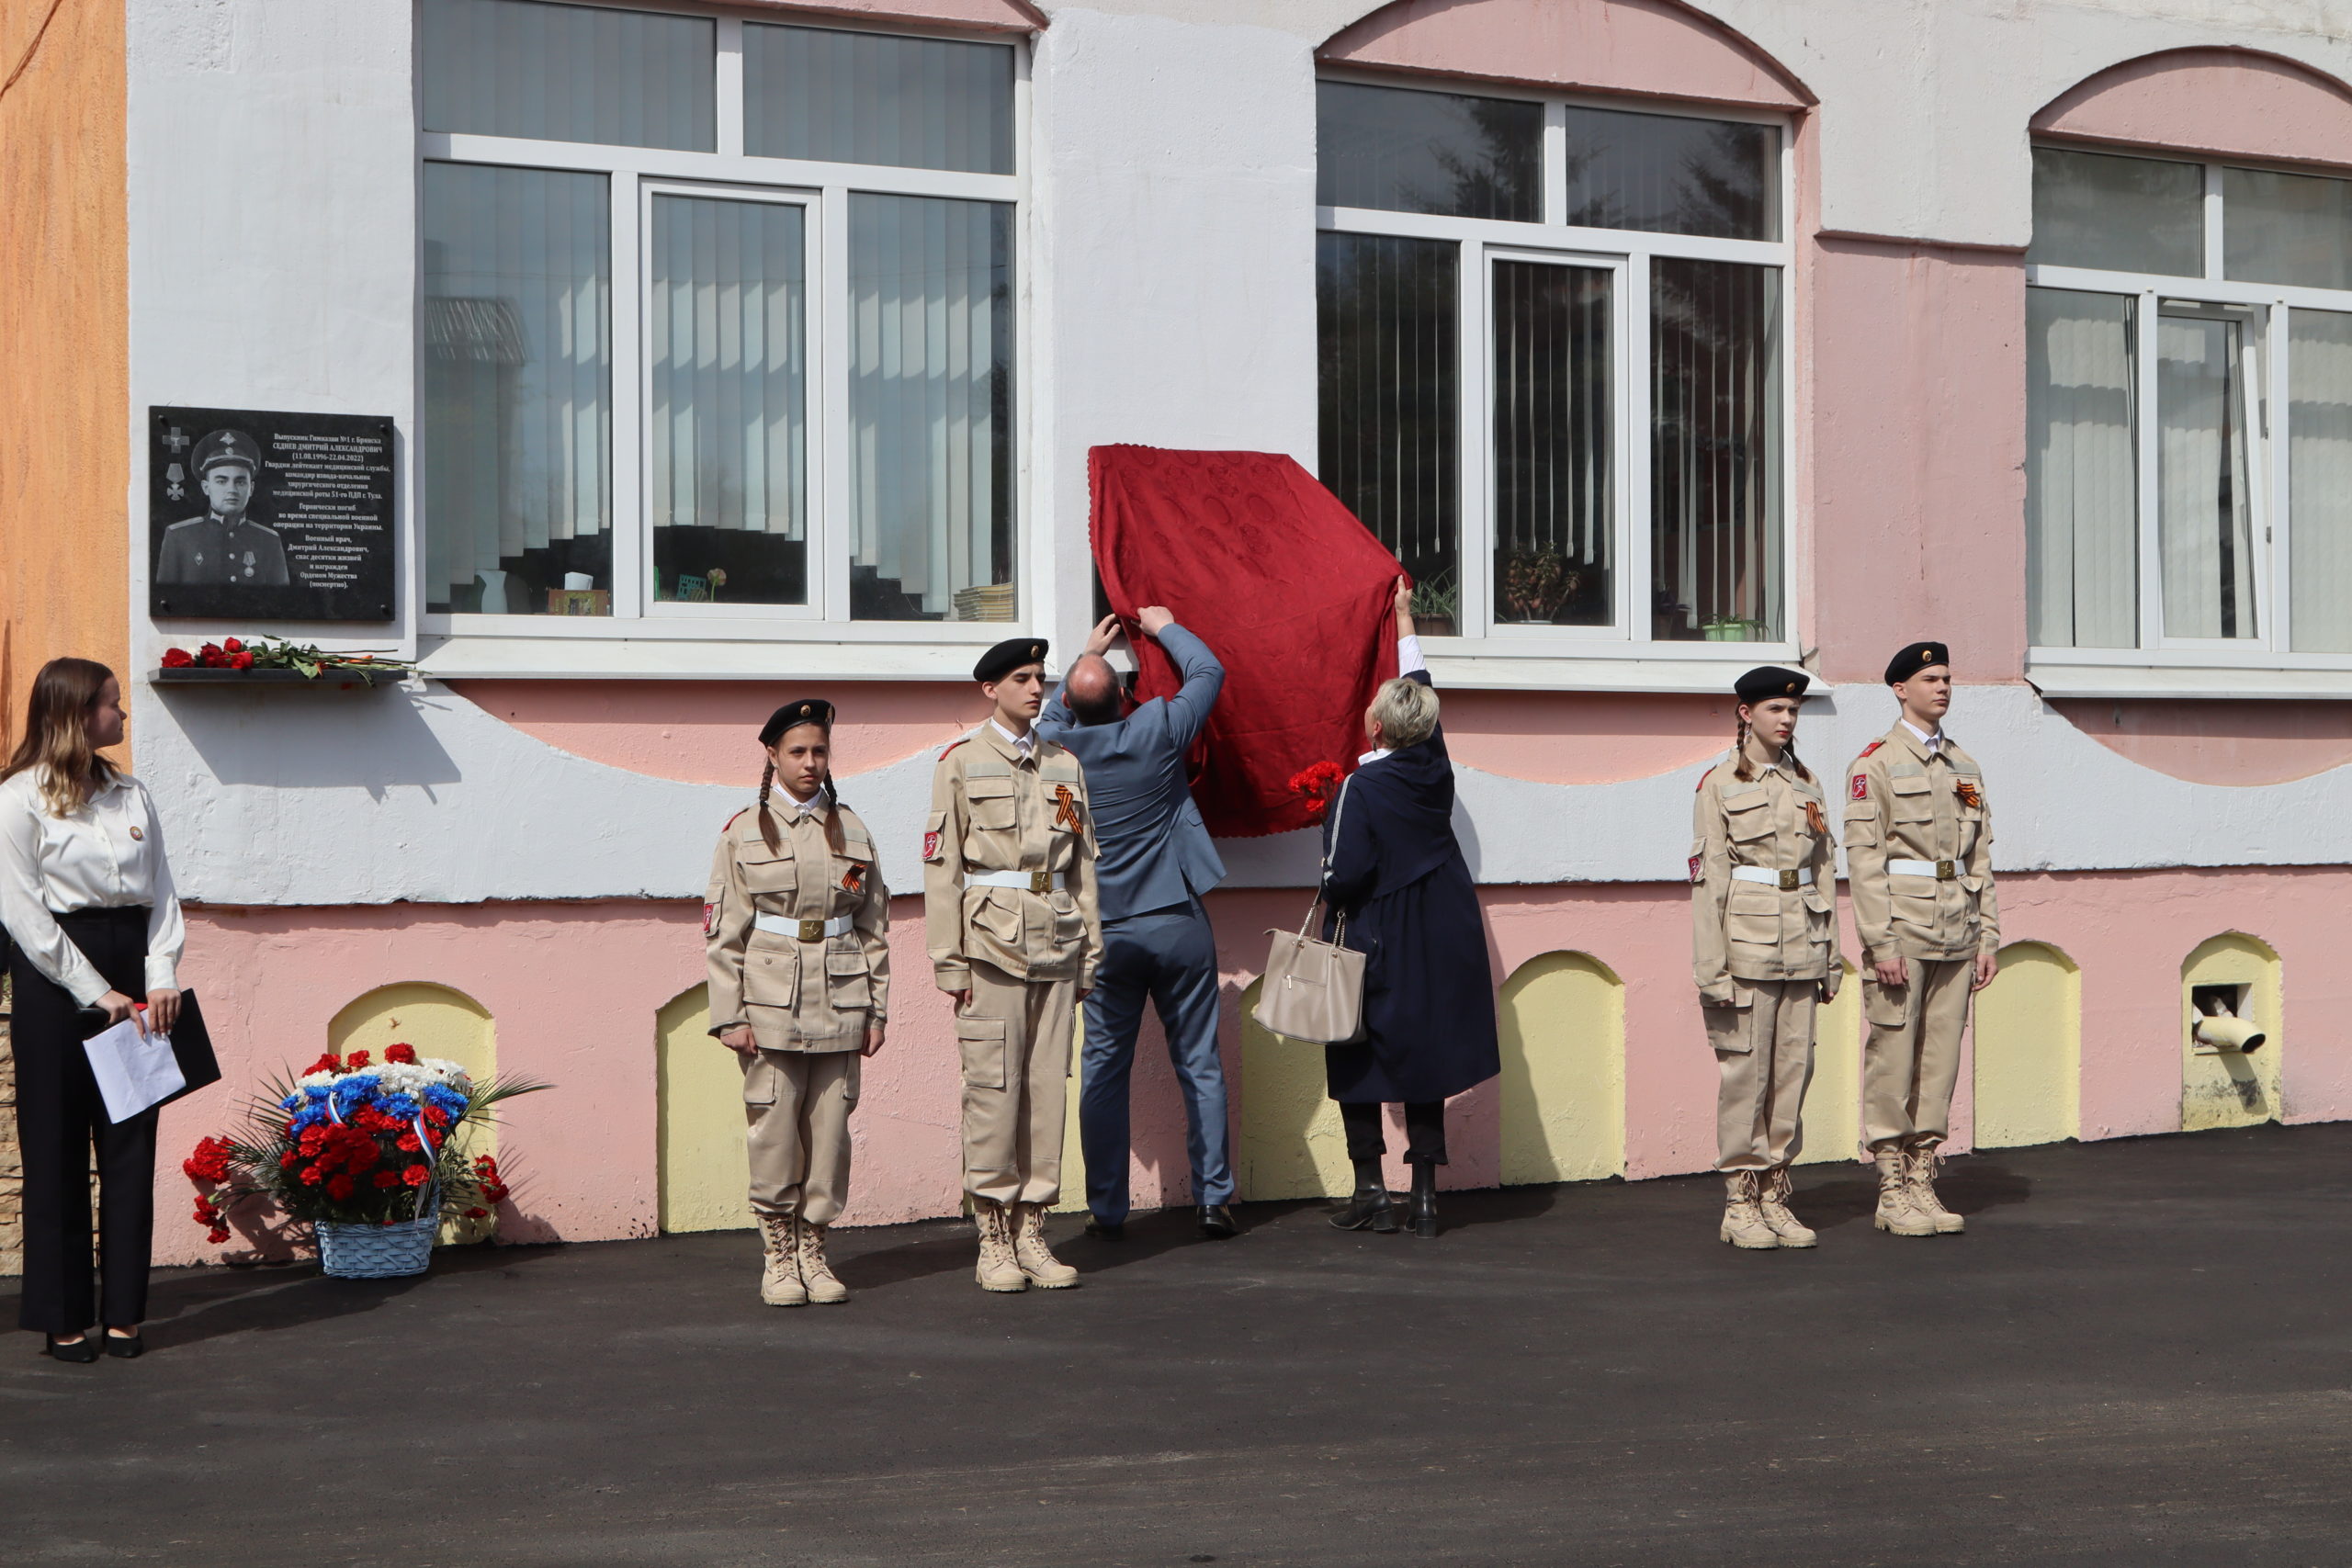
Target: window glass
[(2094, 210), (931, 409), (1388, 322), (1441, 152), (517, 391), (728, 411), (1667, 175), (1553, 434), (569, 73), (1715, 451), (2205, 367), (2081, 477), (2286, 228), (845, 97), (2319, 455)]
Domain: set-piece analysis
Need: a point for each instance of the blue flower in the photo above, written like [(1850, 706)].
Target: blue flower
[(400, 1106), (446, 1099)]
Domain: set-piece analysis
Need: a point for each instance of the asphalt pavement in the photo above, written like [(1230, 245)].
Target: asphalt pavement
[(2137, 1355)]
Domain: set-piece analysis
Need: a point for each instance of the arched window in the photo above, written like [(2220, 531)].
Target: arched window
[(1552, 318)]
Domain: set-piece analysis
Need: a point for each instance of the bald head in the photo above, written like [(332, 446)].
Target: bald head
[(1091, 690)]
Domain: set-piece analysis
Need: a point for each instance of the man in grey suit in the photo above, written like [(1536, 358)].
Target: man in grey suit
[(1154, 860)]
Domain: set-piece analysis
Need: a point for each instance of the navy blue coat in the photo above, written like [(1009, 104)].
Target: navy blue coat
[(1152, 850), (1397, 872)]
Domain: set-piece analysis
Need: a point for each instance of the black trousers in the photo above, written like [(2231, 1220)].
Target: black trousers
[(60, 1115), (1424, 1131)]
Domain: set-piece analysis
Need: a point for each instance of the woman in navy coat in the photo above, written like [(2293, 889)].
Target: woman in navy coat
[(1395, 870)]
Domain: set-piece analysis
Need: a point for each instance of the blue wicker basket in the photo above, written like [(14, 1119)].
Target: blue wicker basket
[(376, 1252)]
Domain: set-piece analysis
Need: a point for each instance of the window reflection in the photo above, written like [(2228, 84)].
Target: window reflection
[(1715, 451), (1672, 175), (1553, 437), (2093, 209), (1441, 152)]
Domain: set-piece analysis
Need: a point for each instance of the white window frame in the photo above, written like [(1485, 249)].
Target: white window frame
[(2163, 665), (1621, 656), (818, 639)]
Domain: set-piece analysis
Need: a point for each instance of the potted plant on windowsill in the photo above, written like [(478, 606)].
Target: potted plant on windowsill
[(1437, 605)]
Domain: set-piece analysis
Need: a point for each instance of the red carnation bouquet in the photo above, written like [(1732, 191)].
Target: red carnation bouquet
[(276, 653), (357, 1142), (1320, 783)]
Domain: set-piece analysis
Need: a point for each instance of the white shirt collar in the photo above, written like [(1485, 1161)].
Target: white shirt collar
[(1931, 742), (1371, 757), (1024, 744), (811, 806)]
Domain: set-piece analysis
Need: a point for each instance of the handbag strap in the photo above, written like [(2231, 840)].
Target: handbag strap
[(1339, 920)]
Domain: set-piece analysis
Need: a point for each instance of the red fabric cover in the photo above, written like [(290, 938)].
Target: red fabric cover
[(1292, 593)]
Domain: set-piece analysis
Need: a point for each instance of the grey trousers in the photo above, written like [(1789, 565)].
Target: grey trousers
[(1168, 956)]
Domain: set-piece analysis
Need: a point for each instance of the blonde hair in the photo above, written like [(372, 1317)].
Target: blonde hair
[(1405, 712), (57, 734)]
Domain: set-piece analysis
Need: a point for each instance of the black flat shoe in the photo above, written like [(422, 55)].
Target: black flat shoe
[(1216, 1222), (1105, 1230), (1424, 1201), (130, 1347), (81, 1352)]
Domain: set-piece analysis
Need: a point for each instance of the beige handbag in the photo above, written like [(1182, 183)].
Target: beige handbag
[(1312, 990)]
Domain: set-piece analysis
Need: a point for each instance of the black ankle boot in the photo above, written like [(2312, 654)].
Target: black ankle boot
[(1370, 1208), (1424, 1198)]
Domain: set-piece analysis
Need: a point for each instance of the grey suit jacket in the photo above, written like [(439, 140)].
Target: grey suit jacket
[(1152, 849)]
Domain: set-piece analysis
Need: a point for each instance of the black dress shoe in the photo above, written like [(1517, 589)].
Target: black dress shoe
[(1368, 1209), (130, 1347), (80, 1351), (1216, 1222), (1105, 1229)]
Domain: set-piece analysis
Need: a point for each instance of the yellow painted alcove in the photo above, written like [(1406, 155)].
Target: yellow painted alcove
[(1073, 1198), (1292, 1144), (2029, 1049), (699, 1093), (1561, 1019), (2232, 1089), (1833, 1098), (440, 1023)]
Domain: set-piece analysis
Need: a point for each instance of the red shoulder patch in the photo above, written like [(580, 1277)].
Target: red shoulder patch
[(1698, 869), (1872, 747), (1860, 788), (737, 817), (1703, 780), (952, 745)]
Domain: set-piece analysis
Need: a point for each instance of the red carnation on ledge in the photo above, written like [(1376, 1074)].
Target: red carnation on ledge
[(1318, 782), (177, 658)]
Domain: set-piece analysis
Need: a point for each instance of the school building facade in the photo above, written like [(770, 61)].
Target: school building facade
[(733, 351)]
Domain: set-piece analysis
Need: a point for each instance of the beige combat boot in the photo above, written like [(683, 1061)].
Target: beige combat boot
[(816, 1274), (1038, 1265), (997, 1270), (1896, 1214), (1744, 1224), (780, 1283), (1774, 1200), (1919, 1162)]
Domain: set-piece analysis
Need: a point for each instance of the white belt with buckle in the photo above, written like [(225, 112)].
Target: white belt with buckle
[(1035, 881), (1783, 880), (807, 930), (1941, 870)]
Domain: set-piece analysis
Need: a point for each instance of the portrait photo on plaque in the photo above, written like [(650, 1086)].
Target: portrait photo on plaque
[(260, 515)]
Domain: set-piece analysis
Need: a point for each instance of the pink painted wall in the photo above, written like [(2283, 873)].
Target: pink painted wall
[(709, 731), (2230, 101), (575, 987), (1917, 473), (1654, 47), (2222, 742)]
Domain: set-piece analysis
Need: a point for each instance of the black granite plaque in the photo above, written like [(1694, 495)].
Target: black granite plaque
[(261, 516)]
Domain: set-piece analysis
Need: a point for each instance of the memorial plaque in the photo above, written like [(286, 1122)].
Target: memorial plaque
[(260, 516)]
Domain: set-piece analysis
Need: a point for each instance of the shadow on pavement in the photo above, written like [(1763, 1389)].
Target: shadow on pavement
[(183, 1307), (1968, 1185)]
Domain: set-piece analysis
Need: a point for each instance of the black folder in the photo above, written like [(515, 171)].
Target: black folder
[(191, 1047)]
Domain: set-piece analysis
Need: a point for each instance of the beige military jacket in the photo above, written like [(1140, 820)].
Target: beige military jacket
[(1905, 803), (993, 810), (1743, 928), (764, 918)]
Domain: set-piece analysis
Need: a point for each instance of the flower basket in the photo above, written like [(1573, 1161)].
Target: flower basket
[(372, 1153), (376, 1252)]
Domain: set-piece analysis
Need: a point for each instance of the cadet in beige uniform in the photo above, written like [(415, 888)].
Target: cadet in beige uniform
[(1010, 904), (796, 921), (1919, 862), (1764, 939)]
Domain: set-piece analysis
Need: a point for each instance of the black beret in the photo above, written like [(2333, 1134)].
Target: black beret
[(1914, 658), (799, 711), (1008, 656), (1771, 681)]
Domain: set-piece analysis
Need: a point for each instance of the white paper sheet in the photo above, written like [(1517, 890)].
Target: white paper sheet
[(134, 1071)]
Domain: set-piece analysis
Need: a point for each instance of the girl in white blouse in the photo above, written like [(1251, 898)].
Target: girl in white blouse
[(87, 896)]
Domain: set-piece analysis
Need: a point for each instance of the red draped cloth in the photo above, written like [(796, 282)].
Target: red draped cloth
[(1290, 591)]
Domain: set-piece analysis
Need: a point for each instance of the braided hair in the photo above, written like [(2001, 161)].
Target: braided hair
[(1744, 771), (834, 840)]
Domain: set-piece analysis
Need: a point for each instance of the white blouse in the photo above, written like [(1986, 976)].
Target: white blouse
[(109, 855)]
